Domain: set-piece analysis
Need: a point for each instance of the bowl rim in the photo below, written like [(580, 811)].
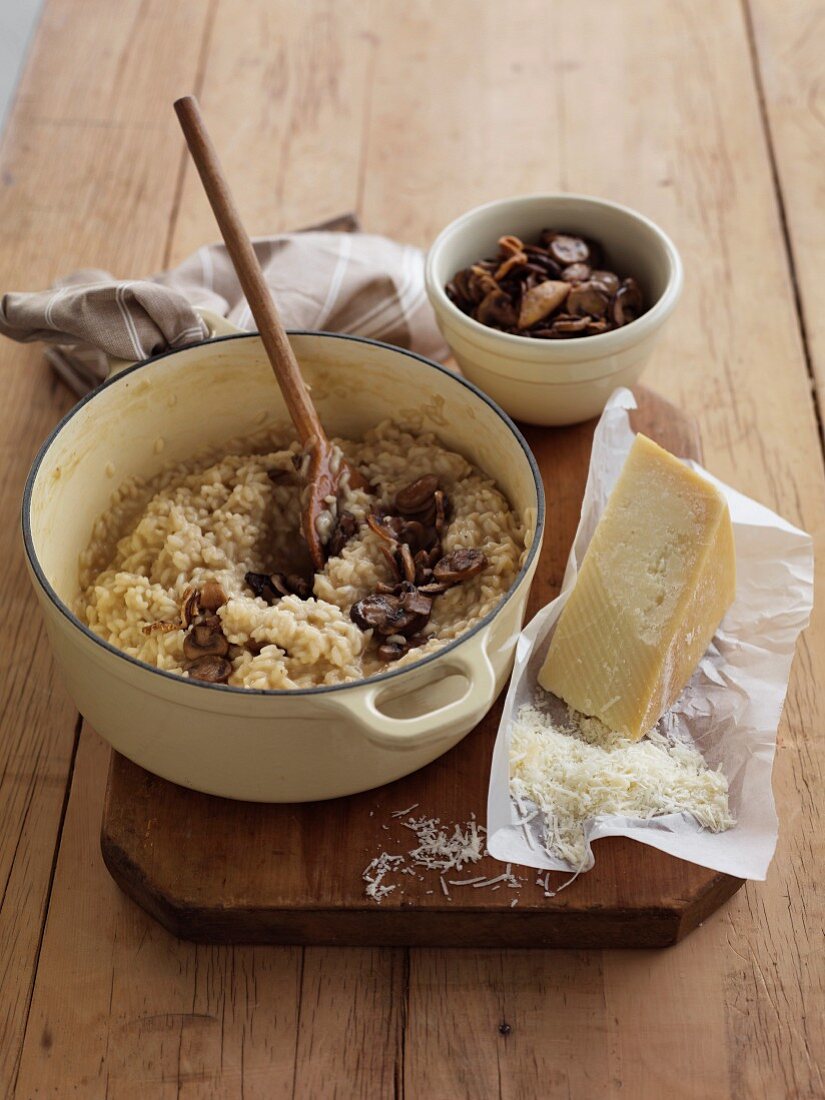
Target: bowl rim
[(602, 344), (232, 689)]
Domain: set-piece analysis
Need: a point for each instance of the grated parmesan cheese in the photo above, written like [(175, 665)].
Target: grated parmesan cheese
[(573, 772), (441, 850), (374, 873)]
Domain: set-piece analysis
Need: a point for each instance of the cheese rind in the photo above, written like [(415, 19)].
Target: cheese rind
[(658, 576)]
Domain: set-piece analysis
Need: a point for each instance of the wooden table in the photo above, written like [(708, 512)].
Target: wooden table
[(709, 117)]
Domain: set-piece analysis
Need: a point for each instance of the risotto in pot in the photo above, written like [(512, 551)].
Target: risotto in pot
[(203, 572)]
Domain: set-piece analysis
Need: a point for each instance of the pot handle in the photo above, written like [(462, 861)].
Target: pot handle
[(216, 325), (388, 732)]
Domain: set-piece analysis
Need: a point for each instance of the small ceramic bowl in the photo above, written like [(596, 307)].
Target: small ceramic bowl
[(555, 381)]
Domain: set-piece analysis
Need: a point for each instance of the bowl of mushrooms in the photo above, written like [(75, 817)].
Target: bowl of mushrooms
[(549, 302)]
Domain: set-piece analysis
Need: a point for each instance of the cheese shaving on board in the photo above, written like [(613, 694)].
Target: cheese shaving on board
[(374, 872), (440, 848), (572, 772)]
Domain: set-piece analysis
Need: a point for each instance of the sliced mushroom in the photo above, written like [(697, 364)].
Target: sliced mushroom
[(205, 639), (417, 535), (277, 476), (216, 646), (271, 586), (587, 300), (541, 258), (457, 298), (416, 602), (510, 245), (627, 305), (189, 605), (417, 495), (510, 265), (386, 589), (511, 254), (210, 669), (428, 516), (297, 585), (460, 285), (442, 505), (161, 626), (391, 651), (423, 571), (381, 526), (535, 269), (261, 584), (564, 326), (376, 612), (391, 558), (479, 283), (346, 527), (460, 565), (541, 300), (473, 285), (212, 596), (436, 554), (497, 310), (576, 273), (386, 615), (607, 280), (407, 563), (409, 623), (568, 250)]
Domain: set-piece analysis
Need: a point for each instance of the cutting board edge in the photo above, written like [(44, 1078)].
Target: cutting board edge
[(452, 925)]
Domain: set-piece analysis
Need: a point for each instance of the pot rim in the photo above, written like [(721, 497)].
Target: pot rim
[(320, 689)]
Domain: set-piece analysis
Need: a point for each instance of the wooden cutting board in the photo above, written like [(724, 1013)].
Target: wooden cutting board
[(214, 870)]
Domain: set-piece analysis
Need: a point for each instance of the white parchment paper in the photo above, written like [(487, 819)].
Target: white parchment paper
[(730, 709)]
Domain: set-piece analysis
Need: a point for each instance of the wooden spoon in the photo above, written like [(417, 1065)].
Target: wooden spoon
[(323, 478)]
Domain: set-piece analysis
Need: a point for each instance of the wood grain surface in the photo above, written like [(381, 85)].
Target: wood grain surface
[(705, 116), (218, 871), (787, 43)]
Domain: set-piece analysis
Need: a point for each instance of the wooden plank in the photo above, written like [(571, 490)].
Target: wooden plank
[(654, 105), (214, 870), (232, 1013), (293, 152), (157, 1017), (668, 1010), (91, 121), (508, 1023), (789, 53), (350, 1041)]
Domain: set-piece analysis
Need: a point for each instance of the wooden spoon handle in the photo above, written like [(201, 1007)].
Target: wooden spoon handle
[(239, 246)]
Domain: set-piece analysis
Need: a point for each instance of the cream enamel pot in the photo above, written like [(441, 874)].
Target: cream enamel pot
[(271, 746)]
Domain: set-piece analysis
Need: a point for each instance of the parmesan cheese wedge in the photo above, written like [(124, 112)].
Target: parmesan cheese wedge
[(658, 576)]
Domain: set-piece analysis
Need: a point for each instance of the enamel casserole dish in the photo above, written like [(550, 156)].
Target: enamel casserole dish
[(273, 746)]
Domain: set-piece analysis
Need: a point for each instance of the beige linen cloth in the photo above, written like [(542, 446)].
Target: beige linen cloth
[(335, 281)]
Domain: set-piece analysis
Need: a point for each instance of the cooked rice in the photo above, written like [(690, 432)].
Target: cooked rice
[(223, 516)]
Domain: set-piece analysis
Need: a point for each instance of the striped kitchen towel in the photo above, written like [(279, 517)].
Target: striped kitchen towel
[(335, 281)]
